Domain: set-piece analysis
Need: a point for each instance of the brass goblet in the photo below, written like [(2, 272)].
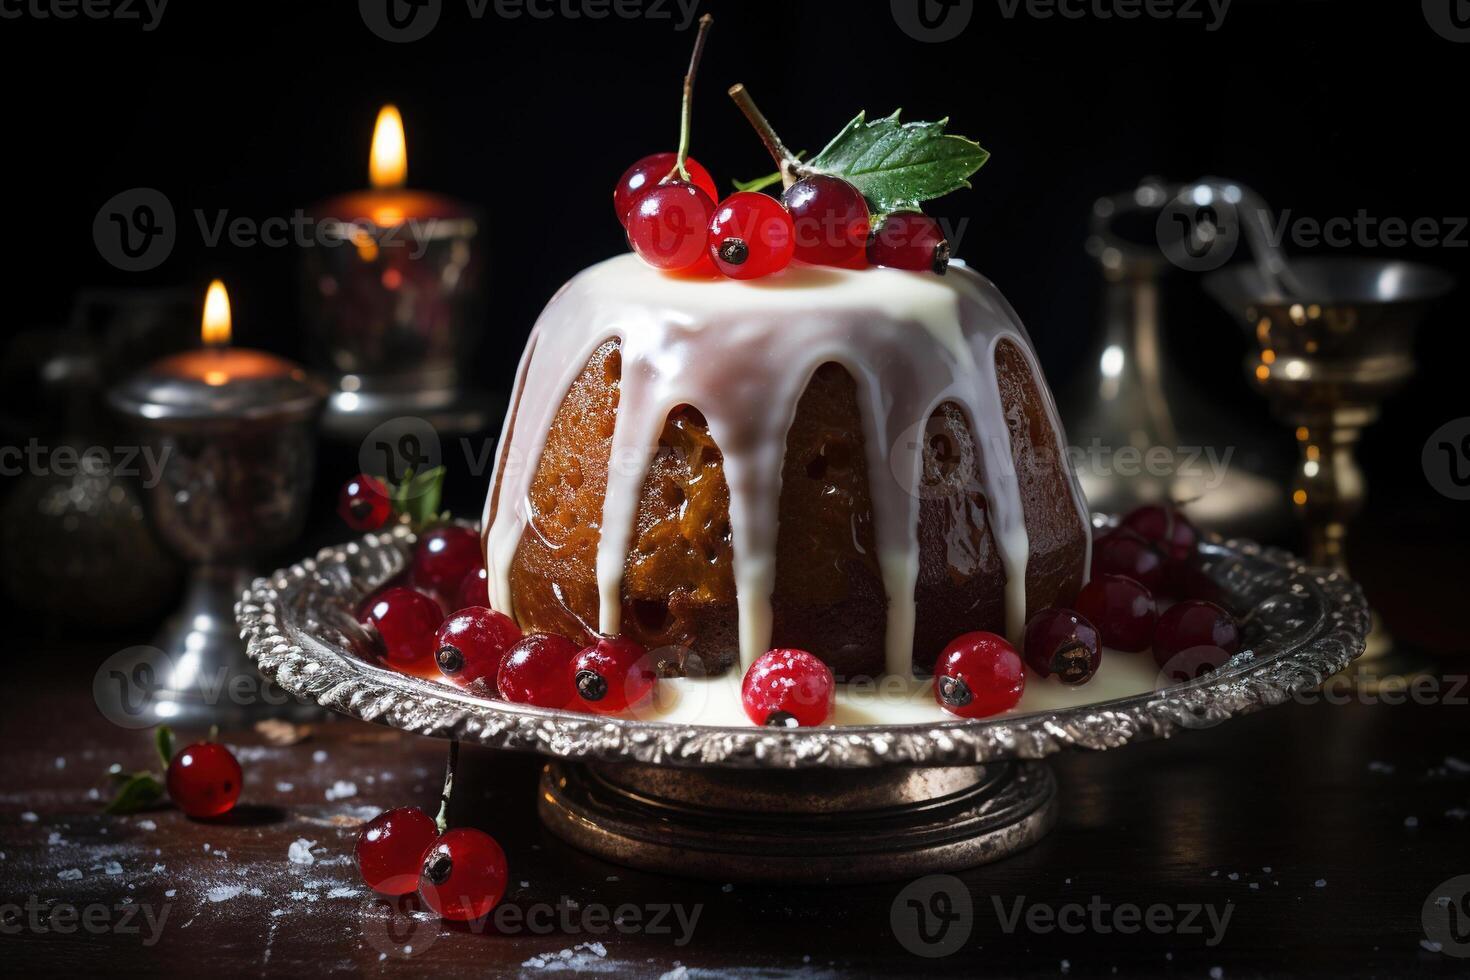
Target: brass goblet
[(1327, 355)]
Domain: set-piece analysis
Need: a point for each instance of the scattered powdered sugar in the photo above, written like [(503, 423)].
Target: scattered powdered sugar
[(147, 825), (300, 851), (1320, 883), (29, 817), (319, 756), (170, 893), (284, 787), (223, 893), (1383, 768), (1431, 945), (112, 868), (1411, 822), (342, 891), (70, 874), (583, 956), (341, 790)]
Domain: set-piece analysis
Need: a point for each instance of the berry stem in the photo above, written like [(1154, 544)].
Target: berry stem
[(686, 109), (442, 820), (791, 168)]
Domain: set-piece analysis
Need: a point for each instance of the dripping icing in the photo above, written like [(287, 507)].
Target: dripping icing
[(743, 353)]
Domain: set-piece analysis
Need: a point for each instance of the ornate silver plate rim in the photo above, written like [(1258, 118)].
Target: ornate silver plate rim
[(1303, 626)]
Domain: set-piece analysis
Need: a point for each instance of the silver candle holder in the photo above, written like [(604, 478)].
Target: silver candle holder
[(235, 433)]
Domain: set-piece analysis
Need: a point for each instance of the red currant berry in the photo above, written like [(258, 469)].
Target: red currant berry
[(1193, 625), (979, 675), (1121, 552), (611, 674), (751, 236), (830, 220), (471, 643), (390, 849), (204, 780), (463, 874), (669, 225), (788, 688), (910, 240), (534, 671), (648, 172), (363, 503), (406, 620), (1122, 609), (1166, 527), (444, 557), (1061, 642), (474, 590)]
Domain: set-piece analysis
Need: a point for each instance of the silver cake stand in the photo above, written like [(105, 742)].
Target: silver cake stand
[(849, 803)]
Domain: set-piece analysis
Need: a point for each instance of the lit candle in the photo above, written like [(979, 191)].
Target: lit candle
[(218, 380), (392, 291)]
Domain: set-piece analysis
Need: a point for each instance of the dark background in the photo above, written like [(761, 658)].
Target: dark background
[(1325, 108)]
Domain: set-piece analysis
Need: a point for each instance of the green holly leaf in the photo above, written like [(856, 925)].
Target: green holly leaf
[(419, 495), (897, 165), (163, 741), (139, 791)]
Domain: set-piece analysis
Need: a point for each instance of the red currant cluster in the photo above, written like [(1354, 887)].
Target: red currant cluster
[(1147, 555), (461, 874), (675, 225)]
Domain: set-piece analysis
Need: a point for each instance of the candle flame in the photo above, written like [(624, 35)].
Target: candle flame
[(388, 164), (215, 331)]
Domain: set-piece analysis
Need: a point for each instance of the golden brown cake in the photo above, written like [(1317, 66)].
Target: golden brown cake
[(862, 464)]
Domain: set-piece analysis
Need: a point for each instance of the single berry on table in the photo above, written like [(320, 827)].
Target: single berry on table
[(669, 225), (534, 671), (390, 849), (474, 590), (1122, 609), (648, 172), (1064, 643), (363, 503), (830, 221), (463, 874), (978, 675), (612, 674), (1166, 527), (1122, 552), (470, 644), (910, 240), (204, 780), (1193, 636), (750, 236), (444, 557), (406, 619), (787, 688)]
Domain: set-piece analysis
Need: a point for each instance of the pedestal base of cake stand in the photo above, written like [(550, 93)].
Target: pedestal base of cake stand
[(813, 826)]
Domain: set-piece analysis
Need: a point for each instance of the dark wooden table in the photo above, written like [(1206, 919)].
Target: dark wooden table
[(1320, 830)]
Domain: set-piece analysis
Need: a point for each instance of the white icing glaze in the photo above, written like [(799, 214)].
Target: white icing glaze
[(742, 353)]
